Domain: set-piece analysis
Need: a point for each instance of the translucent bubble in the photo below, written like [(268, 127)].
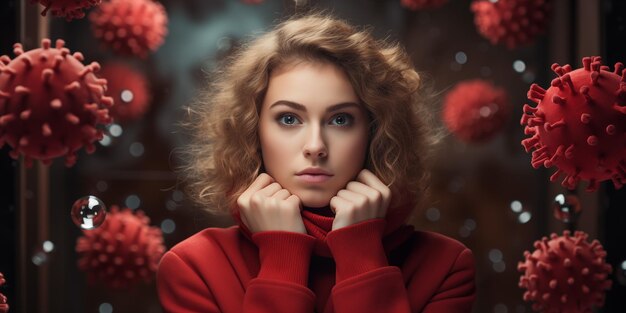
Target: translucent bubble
[(132, 202), (519, 66), (470, 224), (47, 246), (566, 208), (433, 214), (516, 206), (102, 186), (105, 308), (105, 141), (224, 43), (171, 205), (460, 57), (88, 212), (528, 77), (127, 96), (500, 308), (39, 258), (499, 267), (484, 111), (168, 226), (136, 149), (115, 130), (524, 217), (495, 255), (177, 195)]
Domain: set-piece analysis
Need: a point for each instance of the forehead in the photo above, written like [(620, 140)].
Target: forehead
[(310, 84)]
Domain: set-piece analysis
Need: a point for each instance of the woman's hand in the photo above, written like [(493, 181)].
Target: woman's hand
[(363, 199), (266, 205)]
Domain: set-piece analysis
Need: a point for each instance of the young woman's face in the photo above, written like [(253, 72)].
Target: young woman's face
[(313, 131)]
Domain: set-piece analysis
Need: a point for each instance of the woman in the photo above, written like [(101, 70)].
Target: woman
[(312, 137)]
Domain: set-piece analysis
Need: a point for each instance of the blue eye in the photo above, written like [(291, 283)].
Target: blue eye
[(288, 119), (342, 119)]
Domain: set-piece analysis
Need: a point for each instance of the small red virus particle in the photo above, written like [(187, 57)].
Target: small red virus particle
[(475, 110), (422, 4), (129, 90), (130, 27), (50, 103), (565, 274), (579, 124), (4, 306), (511, 22), (123, 250), (70, 9)]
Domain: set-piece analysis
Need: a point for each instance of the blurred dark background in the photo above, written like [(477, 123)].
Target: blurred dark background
[(485, 195)]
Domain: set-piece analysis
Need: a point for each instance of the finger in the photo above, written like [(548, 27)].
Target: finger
[(362, 188), (293, 199), (357, 199), (338, 204), (368, 178), (259, 183), (282, 194), (270, 189)]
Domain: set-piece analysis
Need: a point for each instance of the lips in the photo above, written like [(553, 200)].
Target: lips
[(314, 175), (314, 171)]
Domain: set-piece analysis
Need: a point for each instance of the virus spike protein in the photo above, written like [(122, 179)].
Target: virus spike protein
[(565, 274), (579, 124), (122, 251), (70, 9), (51, 104), (4, 306)]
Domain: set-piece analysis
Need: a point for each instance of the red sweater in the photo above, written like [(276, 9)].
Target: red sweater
[(360, 268)]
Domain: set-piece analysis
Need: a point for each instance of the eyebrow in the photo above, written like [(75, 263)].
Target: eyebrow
[(300, 107)]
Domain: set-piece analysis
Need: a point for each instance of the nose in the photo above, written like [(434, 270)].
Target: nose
[(315, 147)]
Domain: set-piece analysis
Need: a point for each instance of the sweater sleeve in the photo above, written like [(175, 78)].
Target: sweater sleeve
[(180, 289), (366, 283), (279, 287), (284, 266), (458, 291)]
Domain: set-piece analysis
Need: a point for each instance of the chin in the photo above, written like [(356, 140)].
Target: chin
[(315, 200)]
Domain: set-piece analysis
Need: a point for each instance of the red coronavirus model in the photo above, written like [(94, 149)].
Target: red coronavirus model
[(565, 274), (129, 90), (51, 104), (130, 27), (4, 306), (122, 251), (70, 9), (422, 4), (511, 22), (475, 110), (579, 124)]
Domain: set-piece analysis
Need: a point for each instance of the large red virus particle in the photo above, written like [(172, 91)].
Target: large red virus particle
[(130, 27), (51, 104), (129, 90), (475, 110), (565, 274), (422, 4), (511, 22), (4, 306), (579, 124), (70, 9), (122, 251)]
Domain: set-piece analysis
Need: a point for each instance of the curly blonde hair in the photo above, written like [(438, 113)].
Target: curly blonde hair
[(224, 155)]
